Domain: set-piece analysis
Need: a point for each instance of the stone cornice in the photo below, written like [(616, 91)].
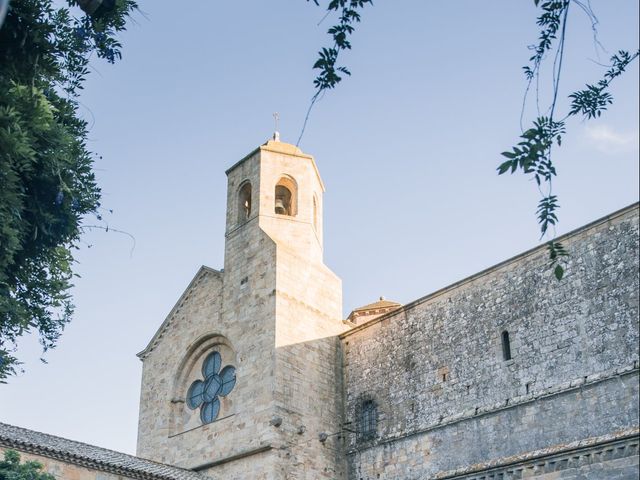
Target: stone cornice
[(282, 148), (293, 299), (233, 458), (528, 253), (515, 402), (202, 273), (617, 445)]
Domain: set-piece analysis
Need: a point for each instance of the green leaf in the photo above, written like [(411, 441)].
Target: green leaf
[(504, 167), (47, 181), (558, 272)]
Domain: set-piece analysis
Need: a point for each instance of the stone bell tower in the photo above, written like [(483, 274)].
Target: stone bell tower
[(243, 377)]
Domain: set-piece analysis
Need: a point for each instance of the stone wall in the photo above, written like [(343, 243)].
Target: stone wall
[(611, 456), (307, 388), (162, 359), (277, 310), (219, 310), (446, 396)]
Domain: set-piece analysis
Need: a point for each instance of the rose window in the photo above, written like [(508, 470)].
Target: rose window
[(204, 394)]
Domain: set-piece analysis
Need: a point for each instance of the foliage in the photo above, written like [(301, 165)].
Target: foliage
[(532, 155), (12, 469), (330, 74), (48, 184)]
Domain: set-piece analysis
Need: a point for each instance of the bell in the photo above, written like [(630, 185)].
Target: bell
[(280, 209)]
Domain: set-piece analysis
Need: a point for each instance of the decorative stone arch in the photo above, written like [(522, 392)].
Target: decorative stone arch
[(244, 202), (182, 417), (286, 196)]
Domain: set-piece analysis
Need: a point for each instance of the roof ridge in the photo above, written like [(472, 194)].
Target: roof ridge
[(101, 458), (170, 316), (3, 425), (629, 210), (379, 304)]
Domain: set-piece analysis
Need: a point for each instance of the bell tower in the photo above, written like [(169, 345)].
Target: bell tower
[(255, 387), (280, 187)]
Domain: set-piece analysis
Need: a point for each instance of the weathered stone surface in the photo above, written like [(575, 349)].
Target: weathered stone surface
[(274, 313), (609, 456), (450, 400), (446, 396)]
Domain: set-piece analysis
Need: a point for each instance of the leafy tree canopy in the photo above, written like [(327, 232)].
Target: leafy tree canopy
[(48, 184), (12, 469)]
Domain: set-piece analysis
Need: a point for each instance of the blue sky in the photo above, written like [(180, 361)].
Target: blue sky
[(407, 148)]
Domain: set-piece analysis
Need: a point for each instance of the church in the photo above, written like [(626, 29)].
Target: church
[(255, 374)]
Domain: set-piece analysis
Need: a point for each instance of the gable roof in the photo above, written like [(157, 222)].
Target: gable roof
[(382, 303), (381, 307), (90, 456), (277, 146), (202, 272)]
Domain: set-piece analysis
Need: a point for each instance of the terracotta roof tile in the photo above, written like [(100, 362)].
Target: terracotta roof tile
[(78, 453), (382, 303)]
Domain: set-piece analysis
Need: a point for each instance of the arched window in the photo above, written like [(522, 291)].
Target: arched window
[(283, 200), (205, 384), (286, 195), (506, 346), (315, 213), (204, 394), (244, 202), (368, 420)]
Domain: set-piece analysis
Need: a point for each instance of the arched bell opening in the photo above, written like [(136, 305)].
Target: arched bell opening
[(244, 202), (286, 194)]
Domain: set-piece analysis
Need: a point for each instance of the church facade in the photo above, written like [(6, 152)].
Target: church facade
[(254, 374)]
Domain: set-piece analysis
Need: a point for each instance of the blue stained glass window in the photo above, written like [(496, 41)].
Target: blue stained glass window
[(211, 364), (228, 377), (195, 394), (209, 411), (212, 387), (204, 394)]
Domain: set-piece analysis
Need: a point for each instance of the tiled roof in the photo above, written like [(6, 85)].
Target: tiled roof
[(382, 303), (90, 456), (372, 310)]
